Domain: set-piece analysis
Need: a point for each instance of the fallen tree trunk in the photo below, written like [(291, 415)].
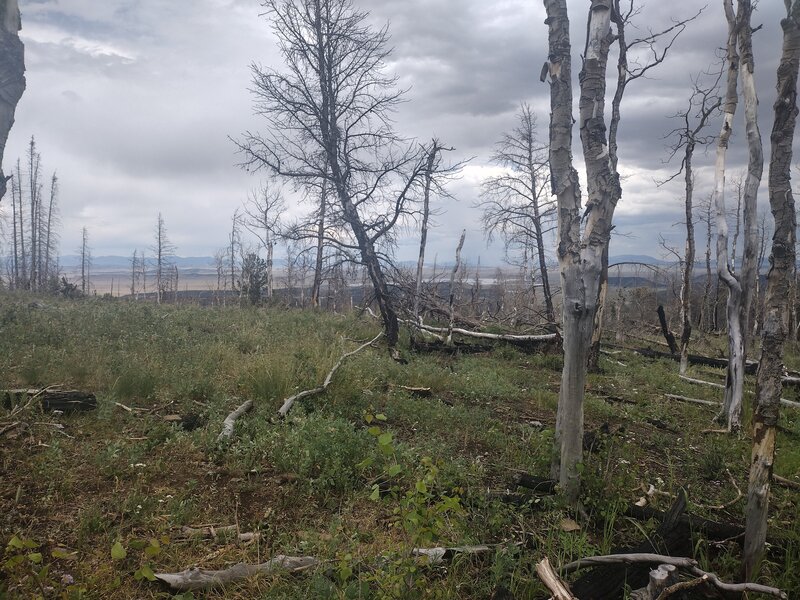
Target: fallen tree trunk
[(711, 529), (200, 579), (677, 561), (695, 359), (503, 337), (289, 402), (66, 401)]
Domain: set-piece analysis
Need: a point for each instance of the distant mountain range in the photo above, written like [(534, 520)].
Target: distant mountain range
[(73, 261)]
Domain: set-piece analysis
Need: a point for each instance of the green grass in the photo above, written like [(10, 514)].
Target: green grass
[(305, 483)]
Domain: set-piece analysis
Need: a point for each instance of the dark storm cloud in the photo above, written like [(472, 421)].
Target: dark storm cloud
[(133, 103)]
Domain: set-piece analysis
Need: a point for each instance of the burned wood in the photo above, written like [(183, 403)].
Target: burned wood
[(695, 359), (539, 485), (678, 561), (51, 399), (713, 530), (668, 335)]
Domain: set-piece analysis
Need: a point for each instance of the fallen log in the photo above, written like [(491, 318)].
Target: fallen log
[(200, 579), (289, 402), (438, 556), (539, 485), (680, 562), (713, 530), (544, 338), (695, 359), (230, 420), (51, 399), (692, 400)]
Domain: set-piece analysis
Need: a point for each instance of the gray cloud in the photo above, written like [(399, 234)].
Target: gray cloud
[(133, 103)]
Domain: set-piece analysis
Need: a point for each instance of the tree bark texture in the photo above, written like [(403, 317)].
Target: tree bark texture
[(12, 75), (734, 387), (776, 313), (580, 256)]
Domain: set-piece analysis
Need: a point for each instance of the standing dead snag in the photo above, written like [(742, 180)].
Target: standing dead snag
[(739, 287), (703, 103), (776, 309), (12, 76)]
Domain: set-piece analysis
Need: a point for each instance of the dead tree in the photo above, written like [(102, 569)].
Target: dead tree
[(703, 103), (739, 50), (626, 73), (328, 113), (517, 203), (85, 253), (262, 217), (164, 252), (583, 251), (776, 314), (12, 75)]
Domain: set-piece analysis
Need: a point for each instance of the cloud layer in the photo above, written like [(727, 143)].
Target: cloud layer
[(134, 102)]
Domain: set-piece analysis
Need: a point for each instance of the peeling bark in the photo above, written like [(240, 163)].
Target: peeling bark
[(776, 309)]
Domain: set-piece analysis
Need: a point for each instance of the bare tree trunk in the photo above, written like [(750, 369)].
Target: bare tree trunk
[(770, 371), (15, 258), (452, 290), (593, 359), (688, 262), (755, 168), (12, 75), (580, 260), (734, 384), (315, 288), (435, 148)]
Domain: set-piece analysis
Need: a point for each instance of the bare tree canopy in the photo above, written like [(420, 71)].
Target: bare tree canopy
[(517, 204), (329, 117)]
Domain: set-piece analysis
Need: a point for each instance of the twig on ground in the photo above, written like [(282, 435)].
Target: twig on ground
[(692, 400), (739, 496), (289, 402)]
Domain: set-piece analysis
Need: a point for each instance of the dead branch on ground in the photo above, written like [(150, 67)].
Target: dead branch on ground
[(289, 402)]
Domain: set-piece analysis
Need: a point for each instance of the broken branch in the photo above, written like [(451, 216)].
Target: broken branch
[(289, 402)]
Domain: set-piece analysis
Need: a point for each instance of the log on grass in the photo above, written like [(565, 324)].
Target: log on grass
[(230, 420), (696, 359), (608, 582), (200, 579), (51, 399), (713, 530), (539, 485)]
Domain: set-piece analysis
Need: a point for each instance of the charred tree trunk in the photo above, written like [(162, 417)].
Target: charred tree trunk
[(782, 267)]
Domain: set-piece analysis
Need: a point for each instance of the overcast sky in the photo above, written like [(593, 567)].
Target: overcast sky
[(133, 103)]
